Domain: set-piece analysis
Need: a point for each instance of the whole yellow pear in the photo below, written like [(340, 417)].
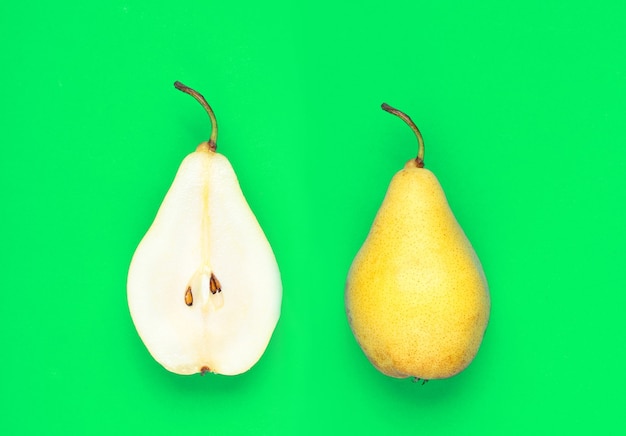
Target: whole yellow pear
[(416, 296)]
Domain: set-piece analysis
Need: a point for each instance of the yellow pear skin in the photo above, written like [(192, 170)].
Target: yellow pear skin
[(416, 296)]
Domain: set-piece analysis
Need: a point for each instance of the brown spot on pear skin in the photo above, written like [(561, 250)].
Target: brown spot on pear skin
[(204, 370)]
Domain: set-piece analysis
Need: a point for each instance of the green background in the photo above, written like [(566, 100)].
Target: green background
[(523, 109)]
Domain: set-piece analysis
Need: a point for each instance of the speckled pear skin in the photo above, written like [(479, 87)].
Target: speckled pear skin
[(416, 297)]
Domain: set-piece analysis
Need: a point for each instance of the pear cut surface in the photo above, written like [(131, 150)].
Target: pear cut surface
[(204, 288)]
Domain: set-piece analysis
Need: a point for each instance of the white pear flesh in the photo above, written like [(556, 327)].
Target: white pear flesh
[(205, 228)]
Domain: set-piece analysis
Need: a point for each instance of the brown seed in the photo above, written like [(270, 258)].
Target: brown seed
[(215, 284), (188, 296)]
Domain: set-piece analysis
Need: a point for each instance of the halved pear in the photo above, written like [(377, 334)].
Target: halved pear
[(204, 288)]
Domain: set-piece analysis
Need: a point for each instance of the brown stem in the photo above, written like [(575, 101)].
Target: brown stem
[(195, 94), (420, 141)]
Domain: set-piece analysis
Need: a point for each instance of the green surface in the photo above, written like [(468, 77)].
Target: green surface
[(522, 106)]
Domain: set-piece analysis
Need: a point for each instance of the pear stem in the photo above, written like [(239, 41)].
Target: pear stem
[(195, 94), (420, 141)]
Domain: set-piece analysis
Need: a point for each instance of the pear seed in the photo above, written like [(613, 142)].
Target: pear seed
[(188, 296)]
